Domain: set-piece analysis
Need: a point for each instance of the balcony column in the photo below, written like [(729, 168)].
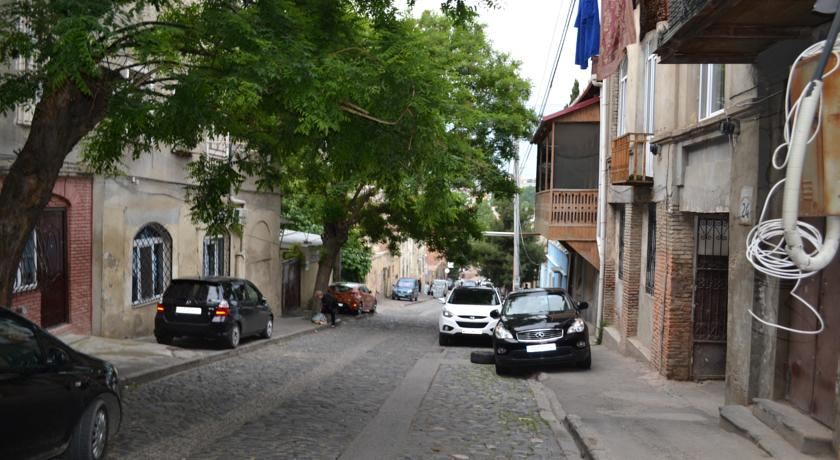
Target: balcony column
[(628, 322)]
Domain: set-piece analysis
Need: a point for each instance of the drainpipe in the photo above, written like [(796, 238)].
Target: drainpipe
[(602, 198), (239, 261)]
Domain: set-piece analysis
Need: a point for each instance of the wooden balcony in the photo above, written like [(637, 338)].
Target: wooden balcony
[(567, 214), (627, 163)]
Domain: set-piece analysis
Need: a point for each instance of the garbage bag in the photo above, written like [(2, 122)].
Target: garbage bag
[(319, 318)]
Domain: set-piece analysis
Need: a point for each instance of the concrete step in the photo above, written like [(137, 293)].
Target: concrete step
[(739, 419), (801, 431)]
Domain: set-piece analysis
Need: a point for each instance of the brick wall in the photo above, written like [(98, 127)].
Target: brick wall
[(673, 292), (608, 296), (628, 323), (76, 195)]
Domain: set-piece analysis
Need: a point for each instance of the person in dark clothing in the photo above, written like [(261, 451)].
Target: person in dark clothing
[(329, 305)]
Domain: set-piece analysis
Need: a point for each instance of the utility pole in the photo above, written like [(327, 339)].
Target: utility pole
[(516, 230)]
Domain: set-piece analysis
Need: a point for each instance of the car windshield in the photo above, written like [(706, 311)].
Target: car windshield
[(473, 297), (198, 291), (342, 287), (537, 304), (406, 282)]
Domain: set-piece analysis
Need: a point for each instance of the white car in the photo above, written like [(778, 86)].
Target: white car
[(467, 312)]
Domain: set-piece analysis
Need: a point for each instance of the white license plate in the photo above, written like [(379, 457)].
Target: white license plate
[(340, 304), (472, 331), (188, 310), (541, 347)]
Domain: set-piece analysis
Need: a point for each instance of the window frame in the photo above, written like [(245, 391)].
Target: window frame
[(138, 243), (18, 285), (220, 267), (623, 78), (705, 97), (650, 262)]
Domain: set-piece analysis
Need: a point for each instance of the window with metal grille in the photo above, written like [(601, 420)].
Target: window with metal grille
[(215, 260), (650, 265), (26, 278), (621, 242), (150, 261)]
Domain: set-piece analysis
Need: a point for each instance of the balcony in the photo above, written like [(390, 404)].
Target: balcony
[(567, 214), (731, 31), (630, 161)]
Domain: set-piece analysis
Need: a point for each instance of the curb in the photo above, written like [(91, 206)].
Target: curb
[(155, 373), (585, 438)]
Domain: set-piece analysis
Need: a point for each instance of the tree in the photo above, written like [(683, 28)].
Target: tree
[(575, 91), (133, 76), (356, 259)]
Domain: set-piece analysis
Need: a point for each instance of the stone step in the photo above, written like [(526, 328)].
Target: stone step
[(804, 433), (739, 419)]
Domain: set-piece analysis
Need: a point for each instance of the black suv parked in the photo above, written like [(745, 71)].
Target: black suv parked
[(217, 307), (540, 327), (53, 399)]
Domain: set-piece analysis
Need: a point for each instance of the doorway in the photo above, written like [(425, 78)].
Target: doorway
[(53, 268), (711, 282), (291, 285)]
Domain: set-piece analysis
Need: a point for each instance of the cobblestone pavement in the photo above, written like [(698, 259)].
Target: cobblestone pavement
[(325, 394)]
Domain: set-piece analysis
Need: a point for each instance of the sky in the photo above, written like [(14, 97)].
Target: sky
[(529, 31)]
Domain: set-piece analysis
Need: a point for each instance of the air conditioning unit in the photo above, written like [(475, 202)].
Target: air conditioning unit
[(241, 215)]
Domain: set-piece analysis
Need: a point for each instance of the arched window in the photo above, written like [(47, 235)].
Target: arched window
[(215, 251), (151, 262)]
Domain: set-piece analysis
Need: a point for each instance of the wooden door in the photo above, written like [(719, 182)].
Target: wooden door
[(711, 281), (52, 271), (291, 285), (811, 371)]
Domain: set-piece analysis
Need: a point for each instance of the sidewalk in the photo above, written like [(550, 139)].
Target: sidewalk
[(143, 359), (621, 409)]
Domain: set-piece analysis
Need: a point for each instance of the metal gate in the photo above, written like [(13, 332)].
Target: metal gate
[(708, 360), (291, 285)]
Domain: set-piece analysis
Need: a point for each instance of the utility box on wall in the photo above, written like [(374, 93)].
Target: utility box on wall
[(820, 194)]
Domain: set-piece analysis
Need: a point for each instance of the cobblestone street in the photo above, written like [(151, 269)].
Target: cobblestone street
[(376, 387)]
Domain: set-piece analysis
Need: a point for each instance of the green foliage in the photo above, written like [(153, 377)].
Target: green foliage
[(356, 259), (575, 91)]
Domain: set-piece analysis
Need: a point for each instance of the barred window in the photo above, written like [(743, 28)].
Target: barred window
[(27, 272), (650, 266), (621, 242), (151, 262), (215, 260)]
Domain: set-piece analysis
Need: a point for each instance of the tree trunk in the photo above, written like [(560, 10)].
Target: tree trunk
[(62, 118), (333, 238)]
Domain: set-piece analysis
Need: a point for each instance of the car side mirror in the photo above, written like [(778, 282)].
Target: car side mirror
[(583, 306), (495, 314), (57, 358)]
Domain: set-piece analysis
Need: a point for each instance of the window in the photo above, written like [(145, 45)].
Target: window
[(150, 262), (535, 304), (712, 81), (27, 272), (467, 296), (650, 266), (217, 146), (215, 260), (622, 98), (24, 111), (650, 105), (621, 242), (19, 347)]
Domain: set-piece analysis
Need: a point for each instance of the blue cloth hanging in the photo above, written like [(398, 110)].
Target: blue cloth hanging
[(588, 27)]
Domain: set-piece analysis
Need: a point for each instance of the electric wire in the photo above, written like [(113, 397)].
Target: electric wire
[(766, 247)]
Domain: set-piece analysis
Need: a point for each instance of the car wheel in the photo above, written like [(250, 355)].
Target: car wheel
[(90, 437), (585, 364), (233, 336), (269, 329), (482, 357), (164, 339), (502, 370), (373, 308), (444, 339)]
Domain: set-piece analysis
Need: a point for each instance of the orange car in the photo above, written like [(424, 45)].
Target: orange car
[(353, 298)]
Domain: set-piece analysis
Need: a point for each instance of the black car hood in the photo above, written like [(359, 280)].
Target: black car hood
[(519, 323)]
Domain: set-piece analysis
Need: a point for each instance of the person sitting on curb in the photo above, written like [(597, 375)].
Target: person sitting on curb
[(329, 305)]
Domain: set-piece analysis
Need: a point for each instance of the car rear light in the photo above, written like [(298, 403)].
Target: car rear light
[(223, 309), (160, 308)]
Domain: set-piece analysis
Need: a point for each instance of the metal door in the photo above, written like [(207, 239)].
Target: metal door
[(812, 360), (708, 360), (291, 285), (52, 271)]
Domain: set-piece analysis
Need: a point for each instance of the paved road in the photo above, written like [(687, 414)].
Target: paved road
[(379, 387)]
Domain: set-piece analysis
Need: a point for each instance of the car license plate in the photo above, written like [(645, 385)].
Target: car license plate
[(340, 304), (188, 310), (472, 331), (541, 347)]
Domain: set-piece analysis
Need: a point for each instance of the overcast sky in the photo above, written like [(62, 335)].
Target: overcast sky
[(529, 31)]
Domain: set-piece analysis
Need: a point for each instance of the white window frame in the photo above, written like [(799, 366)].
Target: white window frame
[(25, 111), (219, 268), (18, 285), (621, 127), (650, 104), (217, 147), (135, 265), (705, 99)]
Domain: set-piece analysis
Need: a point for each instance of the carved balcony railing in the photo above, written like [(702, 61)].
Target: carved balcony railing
[(628, 163), (567, 214)]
